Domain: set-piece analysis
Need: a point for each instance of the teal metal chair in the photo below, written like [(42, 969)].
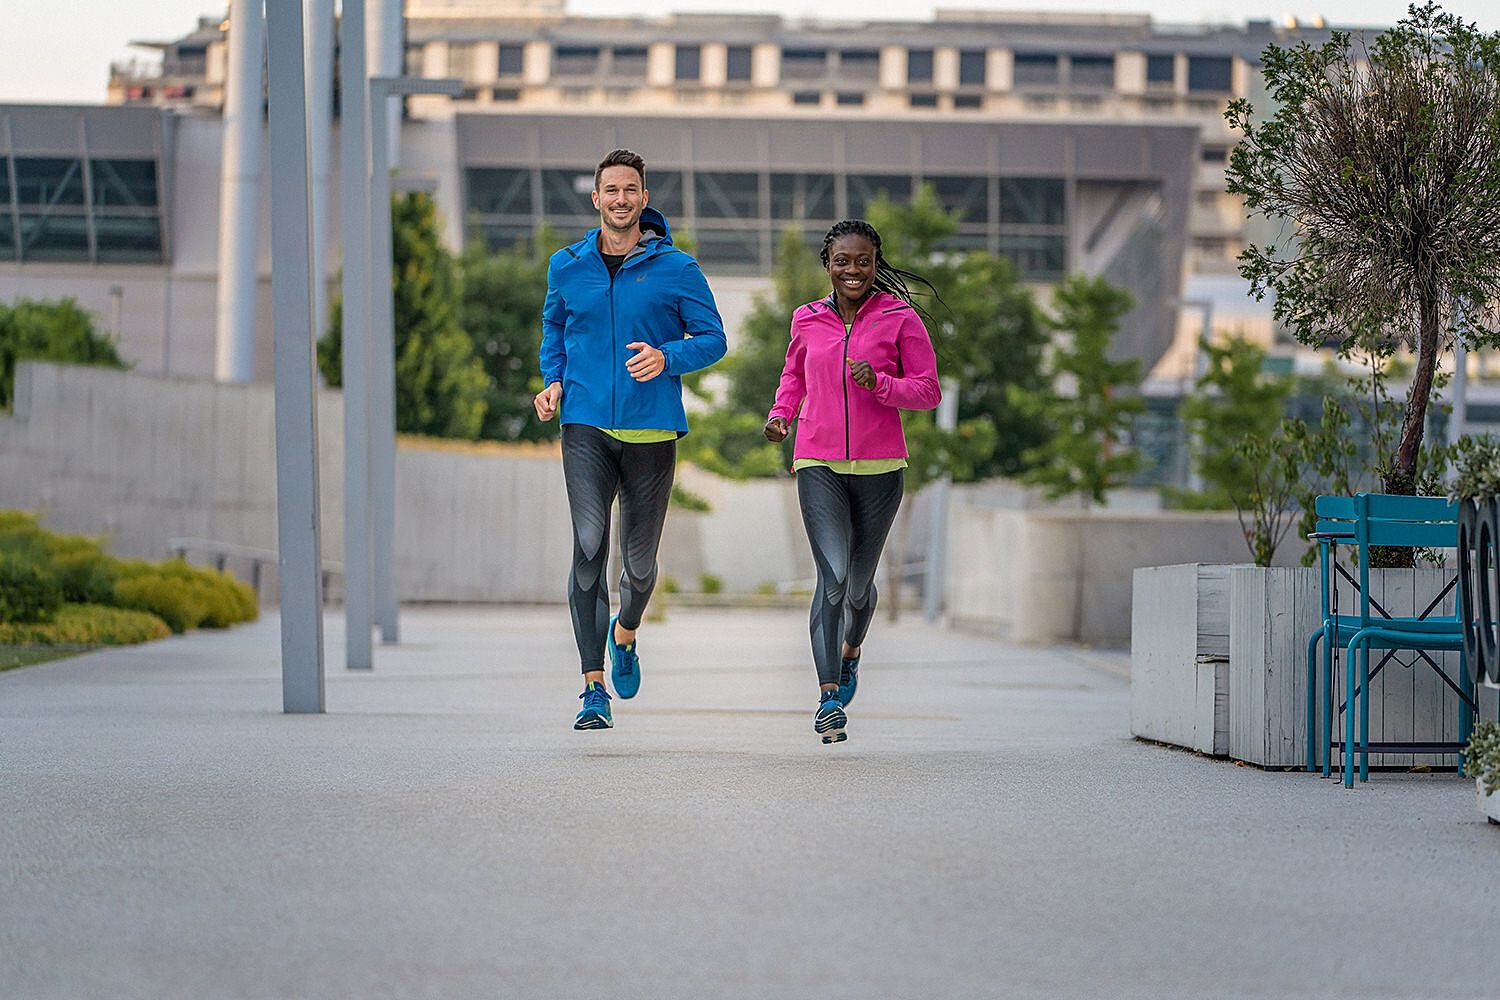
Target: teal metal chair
[(1362, 522)]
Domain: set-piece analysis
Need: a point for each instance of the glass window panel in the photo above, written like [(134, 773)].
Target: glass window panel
[(968, 102), (865, 188), (850, 100), (7, 238), (971, 68), (922, 100), (968, 196), (499, 191), (806, 97), (665, 187), (802, 196), (1212, 73), (860, 64), (1037, 258), (461, 60), (1035, 68), (128, 238), (804, 64), (500, 238), (505, 94), (47, 180), (919, 66), (511, 60), (739, 248), (689, 63), (1161, 69), (813, 238), (628, 61), (1031, 201), (54, 236), (738, 67), (566, 192), (1215, 154), (1091, 71), (124, 183), (575, 60), (727, 194)]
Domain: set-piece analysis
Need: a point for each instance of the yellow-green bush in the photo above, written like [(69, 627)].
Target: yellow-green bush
[(229, 601), (27, 592), (181, 603), (89, 625)]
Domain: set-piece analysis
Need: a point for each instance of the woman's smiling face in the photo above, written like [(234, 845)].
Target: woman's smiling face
[(851, 266)]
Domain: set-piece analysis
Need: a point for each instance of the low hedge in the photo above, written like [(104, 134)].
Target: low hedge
[(86, 625), (27, 592)]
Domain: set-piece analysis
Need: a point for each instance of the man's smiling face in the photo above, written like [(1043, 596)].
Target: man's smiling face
[(619, 198)]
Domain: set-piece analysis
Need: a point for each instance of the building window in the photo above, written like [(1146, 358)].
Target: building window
[(511, 60), (127, 239), (498, 191), (968, 102), (1031, 201), (733, 249), (666, 188), (722, 194), (1215, 154), (1210, 73), (54, 236), (850, 100), (1038, 257), (123, 183), (1161, 69), (1036, 69), (859, 65), (922, 100), (738, 67), (919, 66), (565, 194), (689, 63), (575, 60), (505, 95), (46, 180), (807, 97), (971, 68), (628, 61), (804, 64), (806, 197), (866, 188), (461, 60), (1091, 71), (968, 197)]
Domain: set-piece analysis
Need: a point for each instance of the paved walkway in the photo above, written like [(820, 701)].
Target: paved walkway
[(989, 830)]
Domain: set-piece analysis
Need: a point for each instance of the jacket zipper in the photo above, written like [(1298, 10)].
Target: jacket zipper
[(844, 371)]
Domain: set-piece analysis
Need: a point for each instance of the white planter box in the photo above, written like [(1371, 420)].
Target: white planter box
[(1273, 611), (1489, 805), (1179, 656)]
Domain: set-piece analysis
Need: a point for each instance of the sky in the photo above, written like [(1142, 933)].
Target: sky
[(59, 51)]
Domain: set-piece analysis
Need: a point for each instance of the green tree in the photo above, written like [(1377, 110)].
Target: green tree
[(1089, 409), (440, 383), (501, 309), (1382, 163), (49, 331)]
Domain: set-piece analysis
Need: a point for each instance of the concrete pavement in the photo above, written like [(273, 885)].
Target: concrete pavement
[(989, 830)]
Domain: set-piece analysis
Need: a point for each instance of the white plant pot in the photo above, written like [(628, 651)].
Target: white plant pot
[(1489, 805)]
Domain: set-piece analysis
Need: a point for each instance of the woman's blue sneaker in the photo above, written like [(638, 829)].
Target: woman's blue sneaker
[(848, 679), (829, 720), (624, 665), (595, 714)]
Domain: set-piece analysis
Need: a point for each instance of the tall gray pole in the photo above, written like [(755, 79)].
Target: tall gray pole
[(937, 541), (385, 59), (382, 374), (320, 115), (299, 554), (354, 225), (239, 196)]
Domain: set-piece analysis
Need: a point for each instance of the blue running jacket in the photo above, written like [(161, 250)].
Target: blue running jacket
[(658, 296)]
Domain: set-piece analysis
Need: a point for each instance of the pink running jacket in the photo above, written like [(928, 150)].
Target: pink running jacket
[(838, 419)]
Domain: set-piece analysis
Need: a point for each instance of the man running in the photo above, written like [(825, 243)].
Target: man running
[(627, 315)]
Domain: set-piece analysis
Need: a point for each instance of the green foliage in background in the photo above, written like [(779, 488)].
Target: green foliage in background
[(49, 331)]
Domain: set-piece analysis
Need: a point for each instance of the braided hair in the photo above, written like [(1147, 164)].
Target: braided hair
[(888, 277)]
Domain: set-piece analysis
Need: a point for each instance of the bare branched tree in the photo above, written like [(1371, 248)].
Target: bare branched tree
[(1382, 163)]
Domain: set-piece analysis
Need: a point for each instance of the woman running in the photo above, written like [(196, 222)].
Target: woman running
[(857, 358)]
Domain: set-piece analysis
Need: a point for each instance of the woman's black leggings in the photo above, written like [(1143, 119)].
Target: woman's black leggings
[(597, 468), (847, 519)]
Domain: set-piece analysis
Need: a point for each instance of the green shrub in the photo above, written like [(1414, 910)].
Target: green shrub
[(669, 585), (28, 593), (89, 625), (179, 602), (708, 583), (229, 601), (86, 577)]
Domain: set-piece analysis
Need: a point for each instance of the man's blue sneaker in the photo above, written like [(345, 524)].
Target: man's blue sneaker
[(829, 720), (848, 679), (624, 665), (595, 714)]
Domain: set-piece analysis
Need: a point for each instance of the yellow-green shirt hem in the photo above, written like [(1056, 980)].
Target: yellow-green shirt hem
[(853, 467), (632, 435)]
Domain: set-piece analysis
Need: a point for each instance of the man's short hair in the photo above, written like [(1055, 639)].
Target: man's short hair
[(621, 158)]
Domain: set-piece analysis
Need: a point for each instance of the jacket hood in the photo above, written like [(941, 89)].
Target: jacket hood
[(653, 221)]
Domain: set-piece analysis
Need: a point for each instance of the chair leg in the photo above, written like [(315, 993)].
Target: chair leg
[(1330, 638), (1465, 715), (1350, 697), (1312, 700), (1364, 713)]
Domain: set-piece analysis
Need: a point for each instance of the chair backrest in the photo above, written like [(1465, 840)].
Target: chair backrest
[(1394, 521)]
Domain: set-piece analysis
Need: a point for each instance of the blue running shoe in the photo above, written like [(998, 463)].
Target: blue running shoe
[(624, 665), (848, 679), (595, 714), (829, 721)]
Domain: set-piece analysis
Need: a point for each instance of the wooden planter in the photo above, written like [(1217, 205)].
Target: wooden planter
[(1179, 656)]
